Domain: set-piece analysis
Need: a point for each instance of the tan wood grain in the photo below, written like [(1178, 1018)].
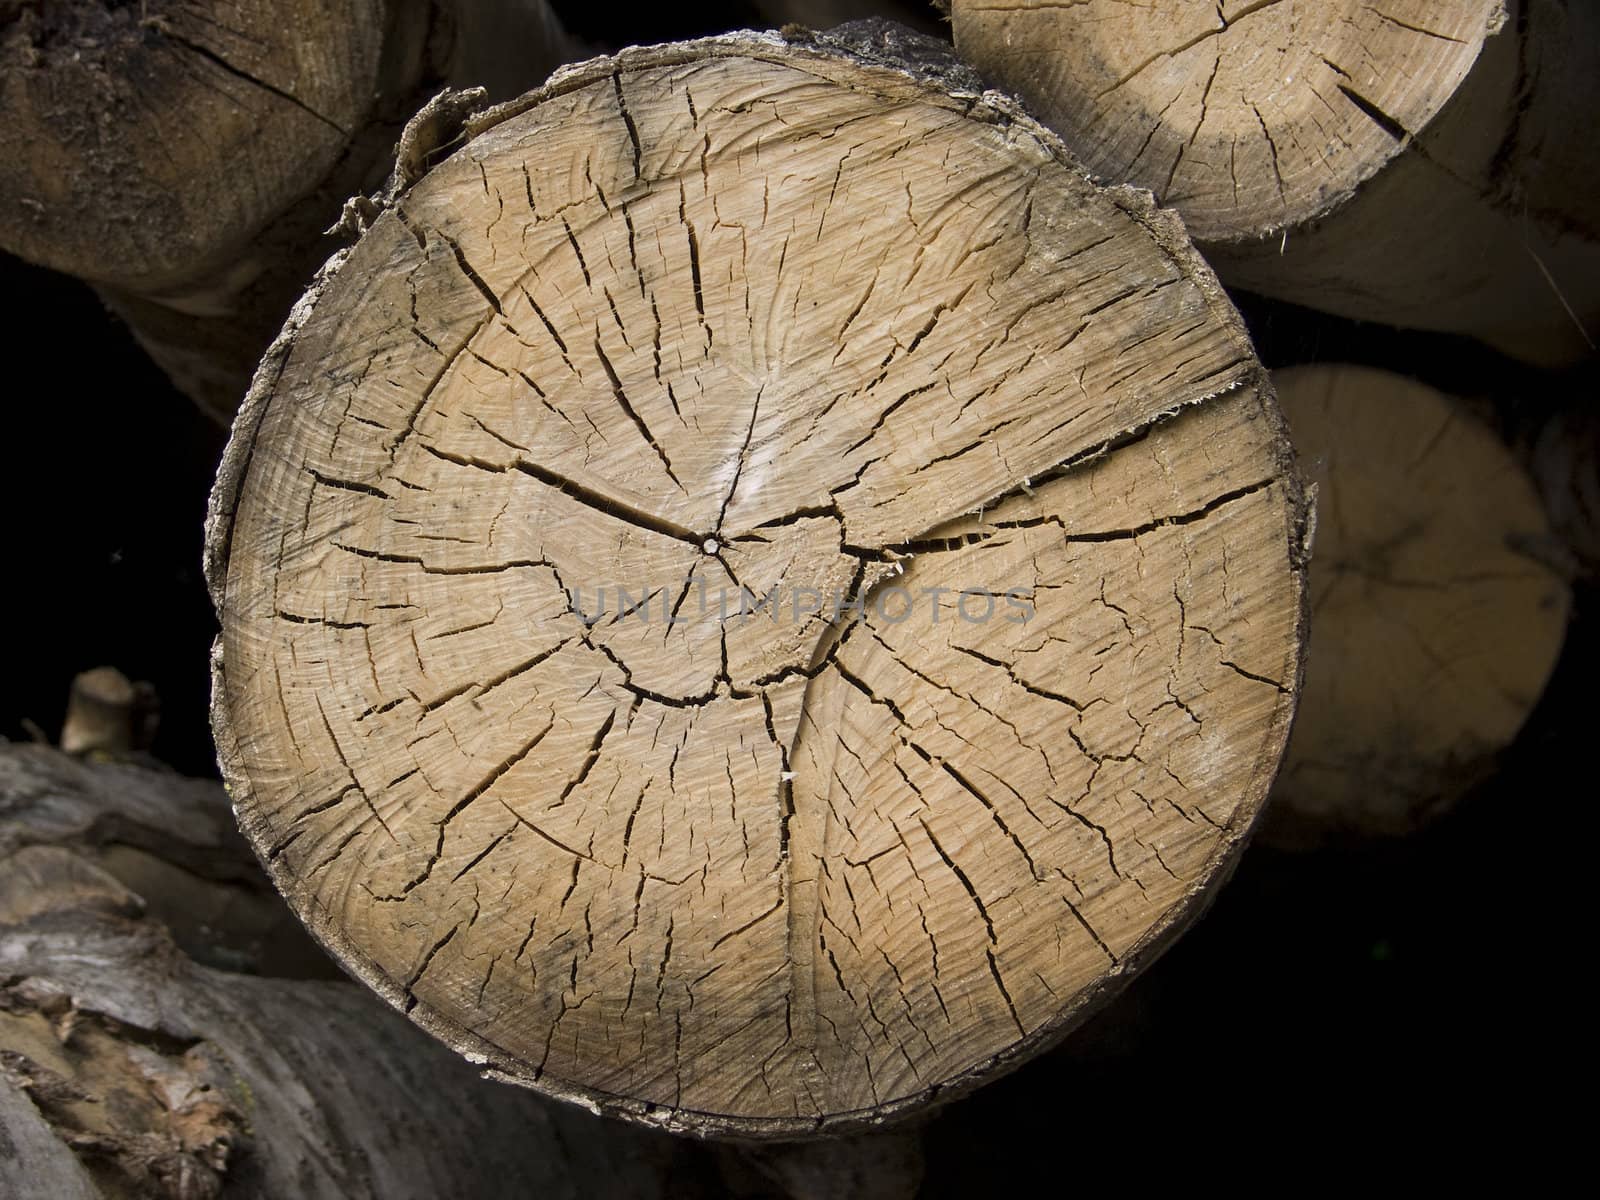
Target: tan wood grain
[(750, 314), (1413, 162), (1436, 612)]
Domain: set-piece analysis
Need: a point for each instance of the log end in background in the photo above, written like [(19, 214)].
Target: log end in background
[(1437, 615), (1249, 117), (186, 160)]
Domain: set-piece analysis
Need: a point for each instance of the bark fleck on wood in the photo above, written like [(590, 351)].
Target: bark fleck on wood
[(710, 320), (1436, 615)]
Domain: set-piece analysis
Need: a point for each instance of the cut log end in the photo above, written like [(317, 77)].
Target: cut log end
[(1435, 616), (144, 143), (754, 594), (187, 166), (1409, 163), (1248, 116)]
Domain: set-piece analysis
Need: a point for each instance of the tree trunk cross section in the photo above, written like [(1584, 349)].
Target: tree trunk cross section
[(1252, 116), (1421, 163), (742, 318), (1439, 603)]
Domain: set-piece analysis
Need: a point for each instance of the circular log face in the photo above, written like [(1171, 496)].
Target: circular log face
[(144, 143), (755, 591), (1437, 623), (1245, 115)]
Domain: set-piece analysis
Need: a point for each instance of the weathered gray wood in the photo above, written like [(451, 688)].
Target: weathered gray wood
[(128, 1069)]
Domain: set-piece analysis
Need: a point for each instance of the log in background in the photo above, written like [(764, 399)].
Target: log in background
[(1345, 997)]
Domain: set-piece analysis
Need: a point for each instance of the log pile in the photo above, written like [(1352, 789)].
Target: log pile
[(764, 581)]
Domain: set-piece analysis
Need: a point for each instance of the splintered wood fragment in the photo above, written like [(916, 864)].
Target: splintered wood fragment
[(186, 162), (756, 593), (1436, 618), (1424, 164), (108, 713)]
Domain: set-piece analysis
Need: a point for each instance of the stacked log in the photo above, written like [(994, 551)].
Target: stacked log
[(1420, 164), (1438, 610), (960, 551), (763, 583), (186, 160)]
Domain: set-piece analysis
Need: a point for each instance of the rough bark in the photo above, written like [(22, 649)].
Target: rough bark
[(701, 322), (1418, 163), (1437, 615), (127, 1070), (185, 159), (825, 14)]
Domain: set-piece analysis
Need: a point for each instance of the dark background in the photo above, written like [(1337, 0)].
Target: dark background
[(1346, 1000)]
